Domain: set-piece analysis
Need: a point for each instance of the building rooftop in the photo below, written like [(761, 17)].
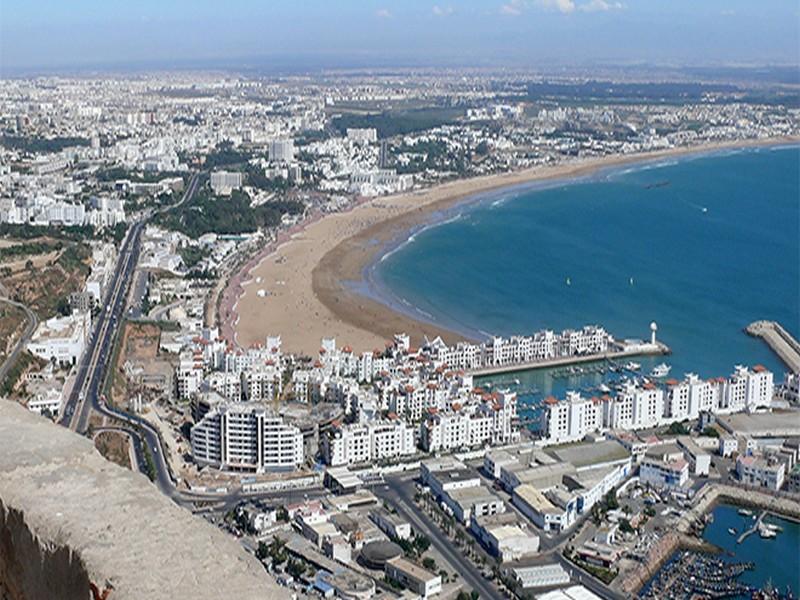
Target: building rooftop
[(774, 424), (591, 454), (534, 498), (124, 531), (411, 569)]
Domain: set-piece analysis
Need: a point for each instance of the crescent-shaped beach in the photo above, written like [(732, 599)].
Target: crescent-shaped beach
[(312, 276)]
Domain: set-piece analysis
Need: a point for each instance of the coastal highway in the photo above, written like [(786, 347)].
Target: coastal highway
[(33, 321), (92, 368)]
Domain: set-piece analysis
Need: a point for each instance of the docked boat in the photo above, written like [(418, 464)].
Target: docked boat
[(661, 370), (633, 366), (745, 513), (766, 534)]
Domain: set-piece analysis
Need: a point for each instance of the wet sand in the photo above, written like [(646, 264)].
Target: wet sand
[(308, 277)]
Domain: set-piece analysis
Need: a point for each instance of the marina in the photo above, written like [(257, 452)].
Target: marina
[(692, 574)]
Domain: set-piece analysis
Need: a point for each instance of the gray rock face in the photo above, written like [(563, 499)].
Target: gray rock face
[(68, 517)]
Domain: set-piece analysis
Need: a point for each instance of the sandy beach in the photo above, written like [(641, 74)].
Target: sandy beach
[(301, 286)]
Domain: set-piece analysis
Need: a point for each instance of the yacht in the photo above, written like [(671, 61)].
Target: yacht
[(633, 366), (661, 370), (744, 512)]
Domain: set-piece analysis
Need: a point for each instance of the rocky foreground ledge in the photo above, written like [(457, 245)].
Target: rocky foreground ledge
[(70, 519)]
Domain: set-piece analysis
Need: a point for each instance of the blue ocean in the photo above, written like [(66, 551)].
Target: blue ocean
[(702, 244)]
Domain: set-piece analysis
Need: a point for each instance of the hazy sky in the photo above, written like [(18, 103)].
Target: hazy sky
[(70, 33)]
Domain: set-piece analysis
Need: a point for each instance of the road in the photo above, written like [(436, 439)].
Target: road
[(93, 365), (399, 492), (33, 321)]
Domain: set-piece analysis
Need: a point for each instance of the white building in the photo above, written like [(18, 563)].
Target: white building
[(362, 443), (663, 467), (224, 182), (761, 472), (281, 150), (362, 135), (420, 581), (243, 436), (61, 339)]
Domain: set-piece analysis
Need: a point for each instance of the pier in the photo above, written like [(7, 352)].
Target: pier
[(779, 340), (753, 529), (623, 351)]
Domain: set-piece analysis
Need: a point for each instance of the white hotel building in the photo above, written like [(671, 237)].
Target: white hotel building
[(643, 406), (363, 443), (246, 437)]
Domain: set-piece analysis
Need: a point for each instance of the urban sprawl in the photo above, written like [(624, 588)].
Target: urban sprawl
[(126, 207)]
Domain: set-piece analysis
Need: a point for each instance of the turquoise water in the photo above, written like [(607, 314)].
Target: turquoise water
[(776, 560), (703, 245)]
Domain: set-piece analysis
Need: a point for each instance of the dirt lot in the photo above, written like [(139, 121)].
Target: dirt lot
[(139, 350), (114, 447)]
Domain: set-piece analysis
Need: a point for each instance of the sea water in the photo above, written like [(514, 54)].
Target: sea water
[(702, 244)]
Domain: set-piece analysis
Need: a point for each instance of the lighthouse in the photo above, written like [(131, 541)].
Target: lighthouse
[(653, 329)]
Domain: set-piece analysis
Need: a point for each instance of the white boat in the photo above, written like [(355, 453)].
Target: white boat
[(744, 512), (633, 366), (569, 281), (732, 531), (604, 388), (661, 370)]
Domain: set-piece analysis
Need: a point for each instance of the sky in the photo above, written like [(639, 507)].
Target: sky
[(64, 34)]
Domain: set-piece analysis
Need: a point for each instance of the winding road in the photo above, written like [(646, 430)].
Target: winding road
[(33, 322)]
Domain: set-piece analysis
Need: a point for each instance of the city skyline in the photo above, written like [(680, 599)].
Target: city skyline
[(49, 36)]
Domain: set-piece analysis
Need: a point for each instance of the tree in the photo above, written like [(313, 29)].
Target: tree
[(262, 551), (429, 563), (625, 526)]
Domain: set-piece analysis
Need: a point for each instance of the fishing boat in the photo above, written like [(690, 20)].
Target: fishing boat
[(661, 370)]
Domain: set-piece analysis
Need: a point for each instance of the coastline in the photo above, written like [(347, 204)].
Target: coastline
[(316, 276)]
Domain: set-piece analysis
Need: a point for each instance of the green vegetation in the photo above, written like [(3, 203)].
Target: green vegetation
[(24, 361), (625, 526), (149, 465), (192, 255), (429, 563), (677, 429), (391, 123), (115, 173), (75, 233), (232, 215), (224, 155), (28, 249), (257, 179), (416, 546), (41, 145), (711, 431), (393, 583), (432, 155), (276, 550)]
